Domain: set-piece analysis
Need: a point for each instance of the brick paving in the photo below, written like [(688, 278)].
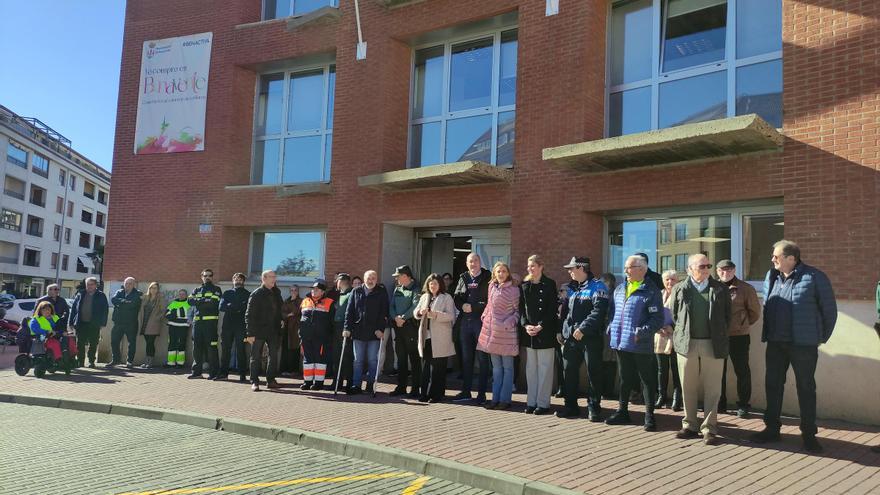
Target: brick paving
[(575, 454)]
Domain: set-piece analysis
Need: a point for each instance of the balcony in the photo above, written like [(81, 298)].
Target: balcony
[(460, 174), (714, 139)]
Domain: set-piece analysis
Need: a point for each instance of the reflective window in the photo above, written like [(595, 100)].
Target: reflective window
[(464, 96), (759, 234), (41, 165), (289, 254), (293, 126), (16, 155), (278, 9), (670, 62)]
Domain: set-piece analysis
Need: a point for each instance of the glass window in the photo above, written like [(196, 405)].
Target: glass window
[(72, 182), (629, 111), (54, 261), (759, 90), (38, 196), (695, 33), (66, 236), (475, 119), (59, 205), (64, 259), (99, 219), (278, 9), (695, 99), (293, 127), (56, 233), (10, 220), (16, 154), (85, 239), (80, 266), (70, 209), (690, 83), (86, 216), (665, 263), (62, 177), (35, 226), (758, 27), (41, 165), (88, 190), (31, 258), (759, 234), (102, 197), (298, 255), (631, 42), (14, 187), (99, 241)]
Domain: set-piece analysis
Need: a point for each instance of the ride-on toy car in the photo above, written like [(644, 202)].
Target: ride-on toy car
[(46, 354)]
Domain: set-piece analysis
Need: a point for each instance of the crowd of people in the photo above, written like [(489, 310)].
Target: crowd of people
[(653, 325)]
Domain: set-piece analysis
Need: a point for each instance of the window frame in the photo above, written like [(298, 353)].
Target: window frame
[(14, 160), (494, 110), (88, 239), (263, 18), (10, 227), (282, 137), (729, 63), (737, 213), (87, 211), (38, 170), (40, 221), (103, 217), (86, 185), (39, 254), (252, 273)]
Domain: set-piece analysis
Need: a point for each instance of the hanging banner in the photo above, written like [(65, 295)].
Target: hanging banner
[(172, 96)]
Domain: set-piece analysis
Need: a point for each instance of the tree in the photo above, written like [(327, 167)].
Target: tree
[(298, 266)]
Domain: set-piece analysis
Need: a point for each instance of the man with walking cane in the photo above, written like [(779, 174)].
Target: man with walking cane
[(366, 319), (342, 354)]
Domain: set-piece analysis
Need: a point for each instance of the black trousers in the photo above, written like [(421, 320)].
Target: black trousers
[(87, 334), (560, 368), (433, 374), (118, 331), (574, 353), (632, 367), (273, 342), (205, 346), (151, 345), (233, 337), (802, 358), (739, 356), (406, 346), (177, 338), (337, 354), (664, 363)]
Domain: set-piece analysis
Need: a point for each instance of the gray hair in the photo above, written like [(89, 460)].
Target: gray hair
[(789, 248), (475, 255), (130, 278), (266, 274), (668, 274), (640, 259), (694, 257), (51, 286), (92, 279)]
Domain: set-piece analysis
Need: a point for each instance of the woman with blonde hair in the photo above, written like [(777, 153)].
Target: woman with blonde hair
[(151, 319), (540, 324), (498, 336)]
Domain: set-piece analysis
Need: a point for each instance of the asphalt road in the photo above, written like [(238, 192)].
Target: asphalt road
[(55, 451)]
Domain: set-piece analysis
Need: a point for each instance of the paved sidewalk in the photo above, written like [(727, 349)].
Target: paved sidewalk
[(574, 454)]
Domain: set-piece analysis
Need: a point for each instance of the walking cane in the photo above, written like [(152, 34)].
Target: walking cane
[(339, 370), (379, 362)]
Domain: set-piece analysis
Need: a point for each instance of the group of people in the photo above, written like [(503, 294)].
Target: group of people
[(654, 324)]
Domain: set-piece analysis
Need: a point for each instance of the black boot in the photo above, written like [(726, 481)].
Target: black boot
[(677, 402), (661, 401)]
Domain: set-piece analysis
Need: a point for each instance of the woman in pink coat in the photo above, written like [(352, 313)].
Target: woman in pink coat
[(498, 337)]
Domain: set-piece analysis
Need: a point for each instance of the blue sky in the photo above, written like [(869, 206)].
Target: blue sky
[(60, 64)]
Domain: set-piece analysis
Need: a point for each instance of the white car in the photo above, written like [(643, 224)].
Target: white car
[(20, 309)]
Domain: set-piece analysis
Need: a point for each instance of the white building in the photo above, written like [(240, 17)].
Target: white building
[(53, 210)]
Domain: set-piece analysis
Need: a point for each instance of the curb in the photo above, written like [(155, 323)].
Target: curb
[(484, 479)]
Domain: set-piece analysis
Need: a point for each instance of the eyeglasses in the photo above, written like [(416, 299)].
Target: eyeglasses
[(630, 267), (704, 267)]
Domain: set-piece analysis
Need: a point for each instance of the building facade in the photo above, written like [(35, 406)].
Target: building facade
[(53, 210), (513, 127)]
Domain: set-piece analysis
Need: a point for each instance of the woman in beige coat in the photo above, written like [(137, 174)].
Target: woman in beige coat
[(436, 314), (151, 320)]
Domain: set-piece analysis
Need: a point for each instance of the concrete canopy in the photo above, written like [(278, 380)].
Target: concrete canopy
[(468, 173), (690, 142)]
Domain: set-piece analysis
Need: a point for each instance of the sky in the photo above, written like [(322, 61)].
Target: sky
[(59, 62)]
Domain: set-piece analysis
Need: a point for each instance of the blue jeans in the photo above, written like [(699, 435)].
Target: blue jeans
[(470, 333), (502, 378), (365, 350)]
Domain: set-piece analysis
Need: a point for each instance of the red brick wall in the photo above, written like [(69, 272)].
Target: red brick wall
[(827, 176)]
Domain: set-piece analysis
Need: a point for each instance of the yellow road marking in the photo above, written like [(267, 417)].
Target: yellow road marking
[(247, 486), (416, 485)]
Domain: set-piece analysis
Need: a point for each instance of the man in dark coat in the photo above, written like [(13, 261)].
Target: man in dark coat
[(263, 321), (233, 304), (126, 306), (87, 316), (59, 304), (471, 296)]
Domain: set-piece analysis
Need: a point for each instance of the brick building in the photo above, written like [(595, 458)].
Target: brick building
[(514, 127)]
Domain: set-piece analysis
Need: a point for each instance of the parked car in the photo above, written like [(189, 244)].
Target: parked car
[(6, 301), (21, 308)]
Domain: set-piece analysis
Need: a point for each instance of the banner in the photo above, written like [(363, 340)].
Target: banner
[(172, 95)]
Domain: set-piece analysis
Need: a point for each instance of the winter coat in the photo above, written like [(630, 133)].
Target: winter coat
[(479, 298), (438, 329), (500, 320), (233, 304), (586, 310), (316, 320), (126, 307), (263, 314), (537, 306), (744, 307), (636, 318), (205, 302), (813, 306), (291, 312), (367, 313), (100, 308), (152, 324), (60, 306), (719, 316), (403, 302)]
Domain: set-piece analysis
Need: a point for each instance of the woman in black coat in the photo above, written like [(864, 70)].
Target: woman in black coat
[(540, 324)]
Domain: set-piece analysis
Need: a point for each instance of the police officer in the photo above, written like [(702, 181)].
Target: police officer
[(583, 338), (233, 304), (315, 329), (205, 301)]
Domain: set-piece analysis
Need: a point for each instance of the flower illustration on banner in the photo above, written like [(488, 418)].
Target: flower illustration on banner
[(163, 144)]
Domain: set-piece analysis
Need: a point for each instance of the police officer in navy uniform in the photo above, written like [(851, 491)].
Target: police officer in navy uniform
[(583, 338), (205, 301), (233, 304)]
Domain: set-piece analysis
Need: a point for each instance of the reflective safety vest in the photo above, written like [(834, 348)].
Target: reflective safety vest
[(176, 313), (316, 321), (206, 302), (42, 326)]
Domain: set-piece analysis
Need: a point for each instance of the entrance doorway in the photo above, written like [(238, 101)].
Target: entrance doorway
[(445, 250)]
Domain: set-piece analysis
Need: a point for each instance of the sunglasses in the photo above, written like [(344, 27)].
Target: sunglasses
[(704, 267)]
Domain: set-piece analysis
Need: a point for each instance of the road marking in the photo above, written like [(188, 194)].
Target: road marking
[(416, 485), (300, 481)]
